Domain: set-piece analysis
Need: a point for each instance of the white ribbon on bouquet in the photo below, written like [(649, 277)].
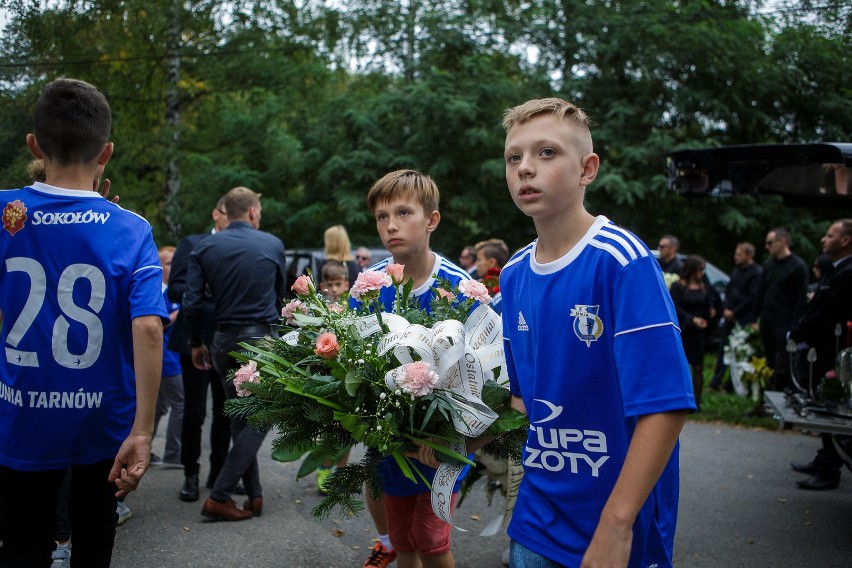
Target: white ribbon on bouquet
[(464, 356)]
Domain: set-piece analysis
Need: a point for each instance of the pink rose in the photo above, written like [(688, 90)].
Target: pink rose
[(396, 272), (445, 294), (369, 281), (302, 285), (292, 307), (246, 374), (831, 374), (417, 379), (327, 346), (475, 290)]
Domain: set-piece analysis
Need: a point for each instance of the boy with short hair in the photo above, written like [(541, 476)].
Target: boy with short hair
[(80, 293), (405, 206), (594, 358), (491, 256), (334, 280)]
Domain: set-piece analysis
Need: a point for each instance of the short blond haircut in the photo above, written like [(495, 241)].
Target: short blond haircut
[(560, 109), (405, 184)]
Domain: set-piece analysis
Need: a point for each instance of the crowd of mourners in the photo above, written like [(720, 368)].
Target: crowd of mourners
[(106, 335)]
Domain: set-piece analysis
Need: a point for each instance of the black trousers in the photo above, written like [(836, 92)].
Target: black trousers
[(28, 515), (195, 383)]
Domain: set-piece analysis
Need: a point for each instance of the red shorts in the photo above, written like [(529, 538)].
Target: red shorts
[(413, 527)]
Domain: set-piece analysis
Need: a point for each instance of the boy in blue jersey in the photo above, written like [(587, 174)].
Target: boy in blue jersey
[(82, 333), (594, 358), (405, 206)]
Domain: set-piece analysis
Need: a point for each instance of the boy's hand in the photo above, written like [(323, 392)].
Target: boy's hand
[(610, 547), (130, 463), (104, 191)]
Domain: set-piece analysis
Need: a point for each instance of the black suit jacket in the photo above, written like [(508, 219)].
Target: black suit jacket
[(179, 340), (831, 305)]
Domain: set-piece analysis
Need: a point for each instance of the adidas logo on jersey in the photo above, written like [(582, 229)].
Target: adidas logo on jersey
[(522, 323)]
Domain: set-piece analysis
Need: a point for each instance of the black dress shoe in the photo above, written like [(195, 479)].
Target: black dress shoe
[(804, 467), (189, 491), (818, 483), (240, 489)]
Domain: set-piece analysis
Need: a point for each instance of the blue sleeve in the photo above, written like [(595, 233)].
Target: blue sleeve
[(146, 284), (514, 386), (652, 369)]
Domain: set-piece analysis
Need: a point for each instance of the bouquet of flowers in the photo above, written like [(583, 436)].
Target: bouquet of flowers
[(343, 375), (670, 278), (744, 356)]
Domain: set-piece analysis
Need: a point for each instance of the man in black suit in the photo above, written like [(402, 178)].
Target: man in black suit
[(831, 306), (244, 270), (195, 381), (738, 307)]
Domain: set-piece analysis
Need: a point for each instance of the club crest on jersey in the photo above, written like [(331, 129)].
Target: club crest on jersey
[(588, 326), (14, 216)]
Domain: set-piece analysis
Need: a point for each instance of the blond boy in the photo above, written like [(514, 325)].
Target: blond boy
[(594, 358), (404, 204)]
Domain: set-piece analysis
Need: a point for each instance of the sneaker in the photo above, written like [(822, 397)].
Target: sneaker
[(124, 512), (61, 556), (380, 557), (322, 476)]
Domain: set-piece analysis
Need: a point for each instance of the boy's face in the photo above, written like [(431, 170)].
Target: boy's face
[(483, 264), (166, 263), (334, 289), (545, 172), (404, 227)]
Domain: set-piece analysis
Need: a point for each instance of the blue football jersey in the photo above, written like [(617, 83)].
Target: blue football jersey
[(171, 359), (393, 480), (75, 269), (443, 268), (592, 344)]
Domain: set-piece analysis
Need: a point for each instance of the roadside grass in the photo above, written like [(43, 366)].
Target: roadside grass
[(727, 408)]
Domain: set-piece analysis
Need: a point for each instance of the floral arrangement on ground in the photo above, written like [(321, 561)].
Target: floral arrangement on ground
[(343, 375), (744, 355)]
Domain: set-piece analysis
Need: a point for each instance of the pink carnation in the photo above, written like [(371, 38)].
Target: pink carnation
[(396, 272), (445, 294), (246, 374), (327, 346), (292, 307), (475, 290), (369, 281), (417, 379), (302, 285), (336, 308)]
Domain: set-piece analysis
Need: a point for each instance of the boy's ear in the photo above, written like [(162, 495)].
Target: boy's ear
[(106, 154), (591, 163), (32, 144), (434, 220)]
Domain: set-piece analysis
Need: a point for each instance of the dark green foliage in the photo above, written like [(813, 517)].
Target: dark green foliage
[(309, 106)]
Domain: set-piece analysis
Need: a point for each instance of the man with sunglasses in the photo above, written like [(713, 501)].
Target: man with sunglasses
[(781, 299), (363, 258)]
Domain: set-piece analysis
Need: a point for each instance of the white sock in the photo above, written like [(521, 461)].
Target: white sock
[(385, 540)]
